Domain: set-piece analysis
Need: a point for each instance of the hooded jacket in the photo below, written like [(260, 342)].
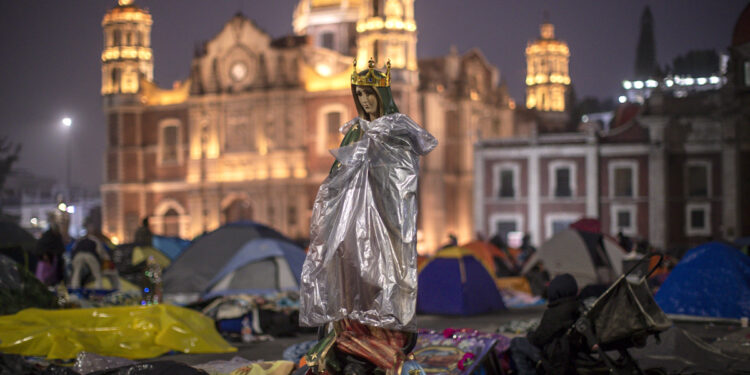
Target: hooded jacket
[(562, 311)]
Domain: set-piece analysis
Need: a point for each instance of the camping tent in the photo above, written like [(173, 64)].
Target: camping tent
[(190, 274), (592, 258), (261, 265), (455, 282), (172, 247), (712, 279), (493, 258)]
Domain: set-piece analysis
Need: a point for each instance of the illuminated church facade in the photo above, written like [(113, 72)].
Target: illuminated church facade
[(247, 135)]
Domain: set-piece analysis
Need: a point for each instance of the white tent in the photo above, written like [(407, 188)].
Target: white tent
[(592, 258)]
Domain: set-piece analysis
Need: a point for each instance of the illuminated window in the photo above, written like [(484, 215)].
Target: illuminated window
[(747, 73), (116, 38)]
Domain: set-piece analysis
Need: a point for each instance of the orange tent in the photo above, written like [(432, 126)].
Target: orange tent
[(486, 252)]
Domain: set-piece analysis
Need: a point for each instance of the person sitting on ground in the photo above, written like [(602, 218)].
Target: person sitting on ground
[(539, 347)]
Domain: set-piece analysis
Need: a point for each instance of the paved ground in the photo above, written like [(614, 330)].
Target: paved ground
[(722, 339), (272, 350)]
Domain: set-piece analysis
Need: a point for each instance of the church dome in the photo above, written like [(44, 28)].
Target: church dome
[(741, 34)]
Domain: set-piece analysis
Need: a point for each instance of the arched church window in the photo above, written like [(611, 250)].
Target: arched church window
[(169, 141), (238, 210), (171, 220)]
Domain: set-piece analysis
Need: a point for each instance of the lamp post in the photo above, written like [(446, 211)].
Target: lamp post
[(68, 123)]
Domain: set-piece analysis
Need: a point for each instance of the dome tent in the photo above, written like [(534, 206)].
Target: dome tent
[(189, 275), (455, 282), (592, 258), (260, 266), (711, 280)]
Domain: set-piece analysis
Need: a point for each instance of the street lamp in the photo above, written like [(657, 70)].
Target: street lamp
[(67, 122)]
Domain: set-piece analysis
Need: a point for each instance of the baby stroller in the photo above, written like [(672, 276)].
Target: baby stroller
[(623, 317)]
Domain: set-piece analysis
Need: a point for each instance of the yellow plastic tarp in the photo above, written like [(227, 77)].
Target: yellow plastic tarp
[(124, 331)]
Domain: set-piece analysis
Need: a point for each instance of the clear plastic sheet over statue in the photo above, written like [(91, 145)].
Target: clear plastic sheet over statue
[(361, 263)]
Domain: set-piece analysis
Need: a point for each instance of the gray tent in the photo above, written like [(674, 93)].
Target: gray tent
[(592, 258), (190, 274)]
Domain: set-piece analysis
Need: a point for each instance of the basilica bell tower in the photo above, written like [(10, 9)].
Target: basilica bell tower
[(547, 78), (127, 49)]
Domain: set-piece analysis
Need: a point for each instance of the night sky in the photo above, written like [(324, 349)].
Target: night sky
[(51, 53)]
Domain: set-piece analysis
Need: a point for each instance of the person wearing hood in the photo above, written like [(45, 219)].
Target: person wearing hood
[(562, 312)]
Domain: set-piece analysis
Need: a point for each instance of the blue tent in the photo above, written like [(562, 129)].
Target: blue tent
[(712, 279), (260, 266), (455, 282), (172, 247)]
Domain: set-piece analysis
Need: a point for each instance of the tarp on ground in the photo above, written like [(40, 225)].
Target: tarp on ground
[(592, 258), (712, 279), (455, 282), (260, 266), (127, 331), (172, 247), (192, 271)]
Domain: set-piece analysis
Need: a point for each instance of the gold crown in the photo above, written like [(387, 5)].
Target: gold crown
[(373, 77)]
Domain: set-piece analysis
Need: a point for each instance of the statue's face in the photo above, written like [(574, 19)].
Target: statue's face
[(369, 101)]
